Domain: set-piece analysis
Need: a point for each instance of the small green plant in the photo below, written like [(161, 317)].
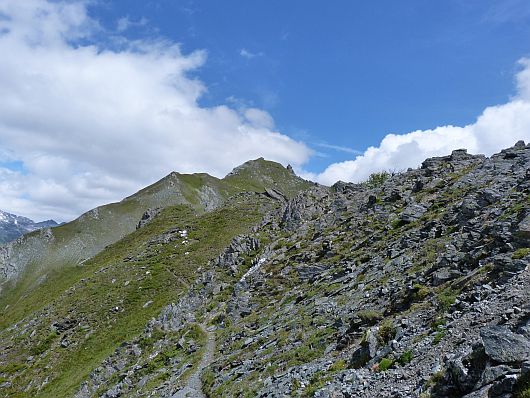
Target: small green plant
[(338, 366), (44, 345), (386, 332), (405, 358), (377, 179), (447, 297), (296, 385), (318, 380), (385, 364), (521, 253), (522, 389), (438, 337), (439, 321), (370, 317), (396, 223), (420, 292), (436, 378), (486, 268), (12, 368)]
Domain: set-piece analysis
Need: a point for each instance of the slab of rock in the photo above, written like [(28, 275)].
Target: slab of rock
[(504, 346), (482, 393), (443, 275), (275, 194), (523, 229), (147, 217), (412, 213)]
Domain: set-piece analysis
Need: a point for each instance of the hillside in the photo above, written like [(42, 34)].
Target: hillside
[(413, 284), (74, 242), (13, 226)]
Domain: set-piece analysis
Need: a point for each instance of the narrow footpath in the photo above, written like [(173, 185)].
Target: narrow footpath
[(193, 388)]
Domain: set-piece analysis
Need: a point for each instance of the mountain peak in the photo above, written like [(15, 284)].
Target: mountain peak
[(259, 174), (253, 164), (12, 226)]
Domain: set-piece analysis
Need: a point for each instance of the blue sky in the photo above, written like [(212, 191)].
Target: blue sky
[(100, 98), (345, 73)]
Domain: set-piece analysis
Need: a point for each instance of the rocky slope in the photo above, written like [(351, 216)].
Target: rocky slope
[(13, 226), (414, 284)]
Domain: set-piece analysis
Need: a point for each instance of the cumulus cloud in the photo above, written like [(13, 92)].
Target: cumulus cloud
[(496, 128), (91, 124)]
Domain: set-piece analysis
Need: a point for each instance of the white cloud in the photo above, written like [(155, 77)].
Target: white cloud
[(339, 148), (125, 23), (249, 54), (496, 128), (258, 118), (92, 124)]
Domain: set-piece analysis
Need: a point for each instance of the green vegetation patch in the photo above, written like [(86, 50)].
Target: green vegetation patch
[(521, 253)]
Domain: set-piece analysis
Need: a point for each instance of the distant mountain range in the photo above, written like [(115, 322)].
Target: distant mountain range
[(13, 226)]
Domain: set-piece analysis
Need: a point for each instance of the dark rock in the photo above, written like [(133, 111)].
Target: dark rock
[(327, 246), (464, 372), (523, 228), (460, 154), (394, 196), (443, 275), (418, 186), (360, 356), (412, 213), (489, 196), (482, 393), (494, 373), (310, 272), (372, 200), (504, 346), (148, 216), (64, 325)]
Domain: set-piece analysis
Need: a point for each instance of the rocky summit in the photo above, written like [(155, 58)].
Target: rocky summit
[(261, 284)]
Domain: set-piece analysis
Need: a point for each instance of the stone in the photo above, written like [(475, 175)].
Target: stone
[(482, 393), (523, 228), (148, 216), (492, 374), (275, 194), (443, 275), (412, 213), (504, 346)]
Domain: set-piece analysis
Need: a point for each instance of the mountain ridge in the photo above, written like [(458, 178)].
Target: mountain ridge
[(412, 284)]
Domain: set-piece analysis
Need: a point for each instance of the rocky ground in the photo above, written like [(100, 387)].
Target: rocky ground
[(411, 285), (415, 284)]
